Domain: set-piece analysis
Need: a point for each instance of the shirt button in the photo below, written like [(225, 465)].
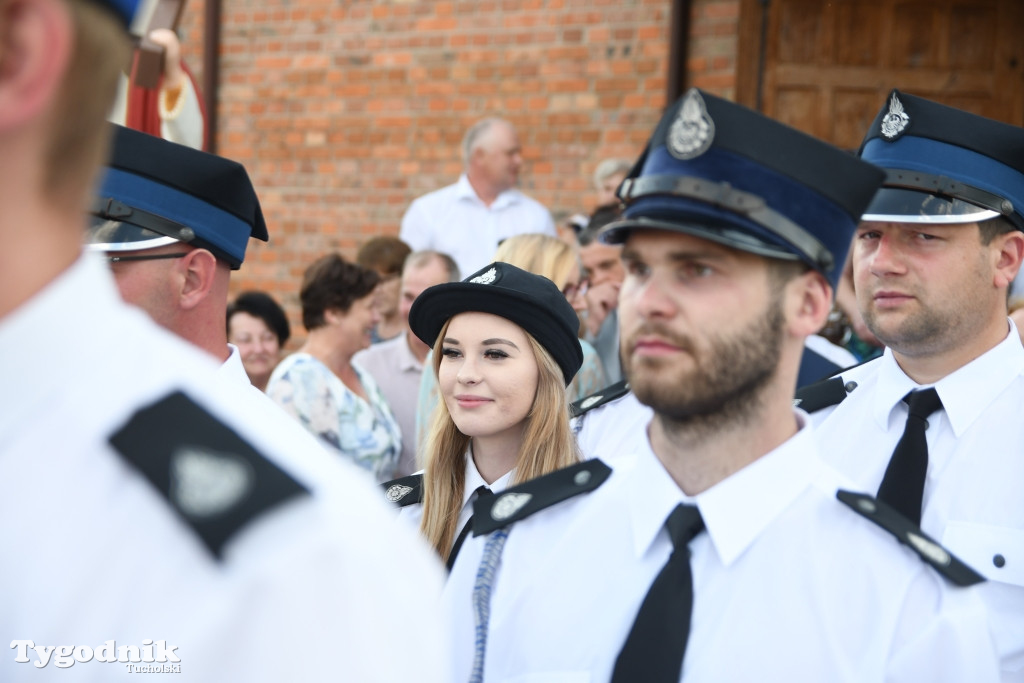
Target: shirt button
[(999, 561)]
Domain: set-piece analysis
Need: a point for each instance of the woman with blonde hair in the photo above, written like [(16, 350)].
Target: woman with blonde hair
[(505, 348)]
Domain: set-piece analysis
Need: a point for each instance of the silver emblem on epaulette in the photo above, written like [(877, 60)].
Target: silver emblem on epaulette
[(486, 278), (397, 492), (933, 551), (205, 483), (581, 478), (589, 401), (509, 504), (693, 130), (895, 120)]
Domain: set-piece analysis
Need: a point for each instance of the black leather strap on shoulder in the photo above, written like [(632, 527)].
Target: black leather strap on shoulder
[(907, 533), (824, 394), (404, 490), (215, 480), (519, 502)]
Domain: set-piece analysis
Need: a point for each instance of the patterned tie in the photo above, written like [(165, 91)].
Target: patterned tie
[(457, 546), (903, 484), (482, 599), (654, 650)]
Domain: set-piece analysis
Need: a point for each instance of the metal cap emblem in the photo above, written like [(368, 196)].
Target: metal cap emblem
[(509, 504), (693, 130), (895, 121), (486, 278)]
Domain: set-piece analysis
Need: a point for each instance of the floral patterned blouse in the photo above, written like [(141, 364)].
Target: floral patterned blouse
[(366, 432)]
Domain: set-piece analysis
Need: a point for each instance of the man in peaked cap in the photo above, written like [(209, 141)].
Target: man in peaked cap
[(734, 232), (173, 222), (932, 262), (160, 518)]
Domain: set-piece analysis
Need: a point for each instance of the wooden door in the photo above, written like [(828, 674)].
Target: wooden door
[(825, 66)]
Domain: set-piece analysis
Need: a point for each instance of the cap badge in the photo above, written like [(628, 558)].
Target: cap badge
[(509, 504), (487, 278), (205, 483), (397, 492), (693, 130), (895, 120)]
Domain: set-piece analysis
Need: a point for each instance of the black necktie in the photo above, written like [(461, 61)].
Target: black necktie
[(903, 484), (654, 650), (480, 491)]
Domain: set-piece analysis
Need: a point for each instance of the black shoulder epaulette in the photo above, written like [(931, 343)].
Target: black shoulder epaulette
[(606, 395), (907, 533), (823, 394), (404, 490), (212, 477), (521, 501)]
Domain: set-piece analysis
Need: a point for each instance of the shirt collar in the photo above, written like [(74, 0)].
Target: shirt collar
[(407, 361), (465, 191), (232, 369), (475, 481), (965, 393), (736, 510)]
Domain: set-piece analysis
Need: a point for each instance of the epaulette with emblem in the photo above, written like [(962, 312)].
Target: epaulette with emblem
[(404, 490), (606, 395), (910, 535), (214, 479), (823, 394), (519, 502)]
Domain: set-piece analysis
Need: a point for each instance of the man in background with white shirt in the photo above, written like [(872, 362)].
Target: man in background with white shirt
[(469, 219)]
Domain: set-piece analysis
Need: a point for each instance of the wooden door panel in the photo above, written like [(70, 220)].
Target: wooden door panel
[(828, 64)]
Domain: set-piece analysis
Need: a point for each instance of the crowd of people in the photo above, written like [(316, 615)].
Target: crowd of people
[(755, 417)]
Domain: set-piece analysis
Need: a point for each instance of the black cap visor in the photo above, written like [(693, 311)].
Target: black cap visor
[(724, 234), (115, 226), (898, 205)]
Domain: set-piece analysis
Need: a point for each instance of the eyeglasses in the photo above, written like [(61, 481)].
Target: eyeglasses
[(574, 290), (145, 257)]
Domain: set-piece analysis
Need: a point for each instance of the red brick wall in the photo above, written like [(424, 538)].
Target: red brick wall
[(343, 112)]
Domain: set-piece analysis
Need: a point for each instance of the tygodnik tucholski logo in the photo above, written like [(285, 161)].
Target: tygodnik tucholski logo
[(150, 657)]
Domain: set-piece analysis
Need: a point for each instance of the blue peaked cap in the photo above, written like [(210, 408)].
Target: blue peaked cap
[(725, 173), (155, 191), (941, 155)]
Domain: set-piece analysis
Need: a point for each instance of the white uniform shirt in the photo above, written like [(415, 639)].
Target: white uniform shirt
[(454, 221), (397, 372), (305, 591), (617, 428), (789, 585), (974, 492)]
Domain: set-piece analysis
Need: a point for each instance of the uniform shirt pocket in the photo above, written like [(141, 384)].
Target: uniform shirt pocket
[(996, 552)]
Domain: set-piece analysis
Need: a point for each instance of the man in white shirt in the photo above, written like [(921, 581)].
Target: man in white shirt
[(397, 364), (732, 249), (467, 220), (932, 263), (164, 525)]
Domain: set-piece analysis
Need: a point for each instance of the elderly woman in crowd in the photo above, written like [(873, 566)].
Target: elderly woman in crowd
[(320, 386), (258, 326)]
